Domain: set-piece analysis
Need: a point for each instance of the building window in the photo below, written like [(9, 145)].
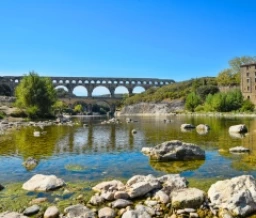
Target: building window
[(248, 88), (248, 97), (247, 74), (247, 67), (248, 80), (255, 79)]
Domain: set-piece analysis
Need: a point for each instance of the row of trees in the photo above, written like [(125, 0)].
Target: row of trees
[(220, 102)]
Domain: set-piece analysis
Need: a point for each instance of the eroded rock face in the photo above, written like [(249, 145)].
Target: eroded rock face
[(237, 195), (41, 182), (241, 128), (174, 150)]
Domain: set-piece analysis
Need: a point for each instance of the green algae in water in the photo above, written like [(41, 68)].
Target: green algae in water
[(75, 167), (202, 184)]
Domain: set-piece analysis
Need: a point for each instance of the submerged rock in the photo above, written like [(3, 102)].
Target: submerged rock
[(41, 182), (30, 163), (174, 150), (237, 195)]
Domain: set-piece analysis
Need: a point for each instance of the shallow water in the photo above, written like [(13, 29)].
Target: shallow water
[(99, 152)]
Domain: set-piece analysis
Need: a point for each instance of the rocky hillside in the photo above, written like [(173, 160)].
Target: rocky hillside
[(153, 108)]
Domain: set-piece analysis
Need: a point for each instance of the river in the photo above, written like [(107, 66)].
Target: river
[(100, 152)]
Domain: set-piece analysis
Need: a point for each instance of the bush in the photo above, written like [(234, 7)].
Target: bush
[(199, 108), (247, 106)]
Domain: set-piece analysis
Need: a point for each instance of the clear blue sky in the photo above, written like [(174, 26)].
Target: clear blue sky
[(172, 39)]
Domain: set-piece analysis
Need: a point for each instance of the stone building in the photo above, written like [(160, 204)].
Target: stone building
[(248, 81)]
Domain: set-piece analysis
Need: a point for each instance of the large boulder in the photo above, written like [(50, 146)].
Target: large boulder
[(187, 198), (41, 182), (79, 211), (174, 150), (241, 128), (237, 195)]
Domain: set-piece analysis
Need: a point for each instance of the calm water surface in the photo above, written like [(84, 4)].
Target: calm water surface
[(99, 152)]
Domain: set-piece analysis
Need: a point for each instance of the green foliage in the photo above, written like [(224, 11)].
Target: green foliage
[(2, 115), (226, 78), (192, 101), (62, 93), (231, 76), (36, 94), (78, 108), (59, 106), (247, 106), (5, 90), (172, 91), (203, 91), (224, 102)]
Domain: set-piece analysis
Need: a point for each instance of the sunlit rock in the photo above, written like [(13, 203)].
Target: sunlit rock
[(106, 212), (239, 149), (79, 211), (8, 214), (188, 198), (41, 182), (237, 195), (51, 212), (174, 150), (241, 128), (109, 185), (202, 129)]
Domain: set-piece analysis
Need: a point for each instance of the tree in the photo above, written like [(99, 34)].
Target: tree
[(78, 108), (36, 94), (203, 91), (192, 101), (225, 78)]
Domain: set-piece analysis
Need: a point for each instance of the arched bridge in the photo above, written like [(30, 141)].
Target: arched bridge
[(90, 83)]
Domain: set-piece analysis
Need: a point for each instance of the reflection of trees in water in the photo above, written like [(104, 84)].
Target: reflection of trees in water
[(176, 166)]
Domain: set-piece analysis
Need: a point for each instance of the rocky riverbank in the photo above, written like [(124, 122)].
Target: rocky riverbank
[(168, 196), (163, 108)]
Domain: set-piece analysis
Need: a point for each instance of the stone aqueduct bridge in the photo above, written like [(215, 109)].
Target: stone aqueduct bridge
[(90, 83)]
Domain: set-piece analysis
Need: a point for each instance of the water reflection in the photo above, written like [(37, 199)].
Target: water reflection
[(176, 166), (97, 149)]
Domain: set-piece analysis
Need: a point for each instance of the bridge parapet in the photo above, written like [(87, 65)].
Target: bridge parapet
[(90, 83)]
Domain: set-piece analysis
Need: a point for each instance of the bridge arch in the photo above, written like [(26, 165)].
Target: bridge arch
[(121, 90), (80, 90), (61, 87), (101, 90), (138, 89)]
